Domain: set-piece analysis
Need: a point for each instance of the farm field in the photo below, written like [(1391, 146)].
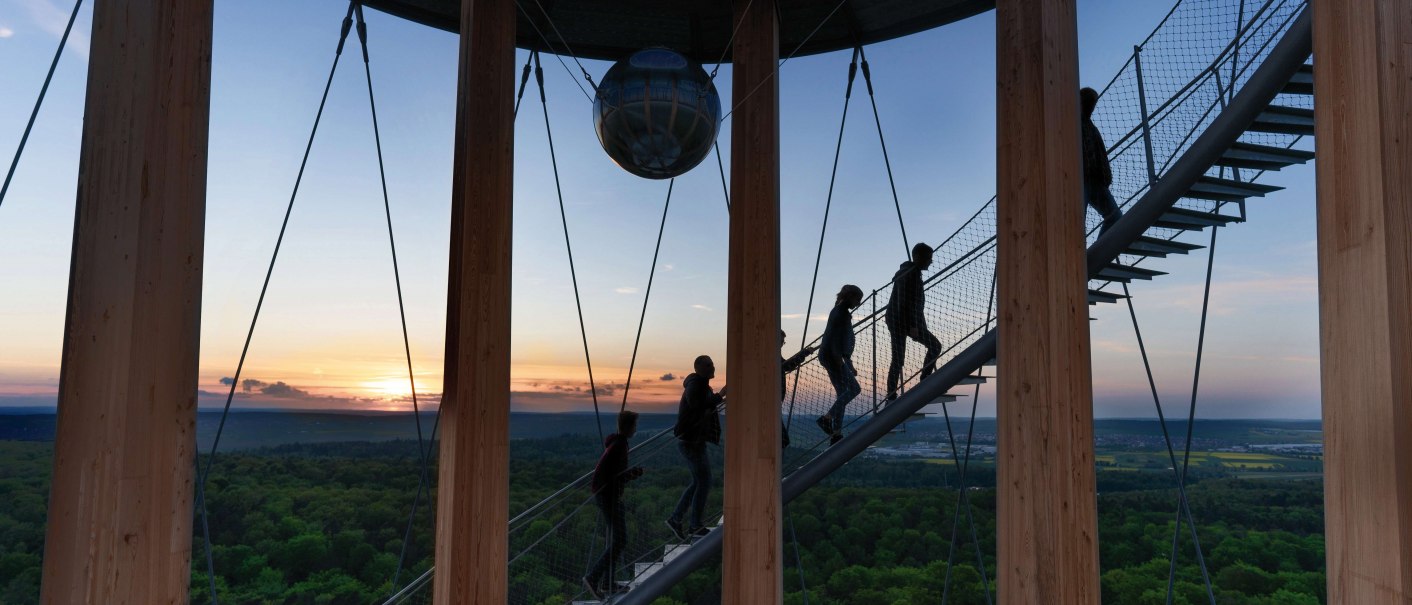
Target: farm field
[(1229, 462)]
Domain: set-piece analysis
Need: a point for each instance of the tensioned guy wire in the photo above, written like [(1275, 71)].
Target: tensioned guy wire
[(264, 288), (43, 90)]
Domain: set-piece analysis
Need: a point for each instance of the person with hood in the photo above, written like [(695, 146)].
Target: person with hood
[(1098, 174), (610, 477), (905, 317), (698, 423), (836, 355)]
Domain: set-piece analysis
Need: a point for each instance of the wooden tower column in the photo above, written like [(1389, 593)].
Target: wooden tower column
[(753, 564), (1363, 120), (1047, 512), (473, 492), (120, 506)]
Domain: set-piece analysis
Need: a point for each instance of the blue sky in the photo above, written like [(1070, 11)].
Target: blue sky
[(330, 324)]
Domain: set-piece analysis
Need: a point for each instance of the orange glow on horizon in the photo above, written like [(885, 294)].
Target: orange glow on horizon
[(323, 383)]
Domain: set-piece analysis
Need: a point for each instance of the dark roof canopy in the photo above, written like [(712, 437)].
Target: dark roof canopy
[(612, 29)]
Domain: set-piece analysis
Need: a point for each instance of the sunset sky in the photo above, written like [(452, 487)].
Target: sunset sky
[(329, 331)]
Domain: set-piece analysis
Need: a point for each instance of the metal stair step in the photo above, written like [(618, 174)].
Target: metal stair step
[(672, 551), (1302, 83), (1099, 296), (1183, 218), (973, 380), (1156, 246), (1127, 273), (1227, 190), (1262, 157), (1284, 120), (642, 571)]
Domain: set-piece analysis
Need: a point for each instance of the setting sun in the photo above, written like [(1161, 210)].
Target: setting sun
[(390, 388)]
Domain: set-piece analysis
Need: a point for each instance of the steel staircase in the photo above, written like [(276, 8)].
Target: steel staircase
[(1286, 68), (1206, 183)]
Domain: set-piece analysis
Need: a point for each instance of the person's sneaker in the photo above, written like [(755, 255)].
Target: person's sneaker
[(835, 438), (891, 397), (677, 529), (826, 424), (699, 532), (593, 590)]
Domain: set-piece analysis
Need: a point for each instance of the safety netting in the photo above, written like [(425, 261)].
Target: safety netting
[(1177, 81)]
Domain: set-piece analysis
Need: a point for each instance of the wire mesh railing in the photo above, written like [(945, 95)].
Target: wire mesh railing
[(1178, 80)]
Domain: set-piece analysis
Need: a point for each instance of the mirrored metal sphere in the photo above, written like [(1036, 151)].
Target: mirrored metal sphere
[(657, 113)]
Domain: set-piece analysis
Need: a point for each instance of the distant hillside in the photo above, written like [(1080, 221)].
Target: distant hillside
[(253, 429)]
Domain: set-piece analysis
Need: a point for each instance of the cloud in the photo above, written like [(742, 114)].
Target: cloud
[(6, 32), (560, 395), (303, 400), (1114, 346), (283, 391), (791, 316), (52, 19), (277, 389), (1231, 296), (625, 290), (603, 390), (668, 377), (667, 267), (701, 307)]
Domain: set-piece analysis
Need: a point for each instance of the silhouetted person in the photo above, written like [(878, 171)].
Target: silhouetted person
[(1098, 175), (609, 478), (698, 423), (906, 317), (787, 366), (836, 355)]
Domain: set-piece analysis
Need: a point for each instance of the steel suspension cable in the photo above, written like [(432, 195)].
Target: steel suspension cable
[(423, 446), (554, 51), (425, 471), (586, 76), (731, 41), (43, 90), (791, 54), (868, 79), (564, 219), (828, 204), (524, 80), (647, 296), (798, 563), (721, 166), (961, 497), (1183, 502), (1191, 415), (205, 471)]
